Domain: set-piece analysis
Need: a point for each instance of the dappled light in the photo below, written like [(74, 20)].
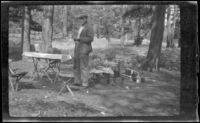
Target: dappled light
[(121, 51)]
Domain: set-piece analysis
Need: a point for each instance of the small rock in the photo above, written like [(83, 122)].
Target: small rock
[(103, 113), (153, 80), (36, 114), (45, 97), (138, 81)]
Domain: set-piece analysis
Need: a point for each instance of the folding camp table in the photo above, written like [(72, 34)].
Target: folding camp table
[(53, 62)]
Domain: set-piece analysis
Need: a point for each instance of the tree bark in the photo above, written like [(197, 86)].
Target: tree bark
[(65, 21), (22, 31), (168, 27), (173, 26), (26, 31), (122, 33), (139, 25), (108, 34), (155, 39), (170, 43), (47, 28), (138, 41), (98, 30), (107, 30), (174, 23), (122, 27)]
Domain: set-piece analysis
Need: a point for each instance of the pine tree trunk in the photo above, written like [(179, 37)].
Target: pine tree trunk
[(122, 33), (174, 21), (173, 28), (47, 28), (138, 38), (139, 26), (69, 19), (65, 21), (168, 38), (107, 32), (156, 38), (98, 30), (122, 27), (26, 31), (22, 31), (170, 43)]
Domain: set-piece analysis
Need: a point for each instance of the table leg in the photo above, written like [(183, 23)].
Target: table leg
[(35, 62), (49, 77), (12, 84), (54, 65), (57, 73), (50, 65), (45, 71)]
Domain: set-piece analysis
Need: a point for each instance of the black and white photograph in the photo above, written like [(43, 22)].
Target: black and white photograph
[(95, 60)]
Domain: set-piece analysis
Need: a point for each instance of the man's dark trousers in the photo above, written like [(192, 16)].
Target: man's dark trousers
[(81, 70)]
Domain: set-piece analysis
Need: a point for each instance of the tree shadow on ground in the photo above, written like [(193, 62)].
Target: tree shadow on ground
[(41, 108), (25, 85), (169, 75)]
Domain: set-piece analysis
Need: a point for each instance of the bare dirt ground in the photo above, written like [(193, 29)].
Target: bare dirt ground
[(158, 96)]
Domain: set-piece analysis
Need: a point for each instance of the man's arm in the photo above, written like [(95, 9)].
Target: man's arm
[(89, 36)]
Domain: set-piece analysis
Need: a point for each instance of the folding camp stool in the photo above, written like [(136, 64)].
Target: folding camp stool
[(66, 84), (18, 76), (64, 74)]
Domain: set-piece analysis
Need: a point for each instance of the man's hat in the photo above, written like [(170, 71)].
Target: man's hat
[(82, 16)]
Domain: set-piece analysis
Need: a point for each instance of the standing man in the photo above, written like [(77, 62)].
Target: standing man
[(82, 50)]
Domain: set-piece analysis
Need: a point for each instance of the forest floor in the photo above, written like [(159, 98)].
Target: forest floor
[(39, 98)]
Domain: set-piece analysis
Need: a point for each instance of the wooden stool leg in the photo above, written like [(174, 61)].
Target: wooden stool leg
[(70, 90), (11, 83), (65, 85), (16, 86), (17, 82), (61, 90)]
